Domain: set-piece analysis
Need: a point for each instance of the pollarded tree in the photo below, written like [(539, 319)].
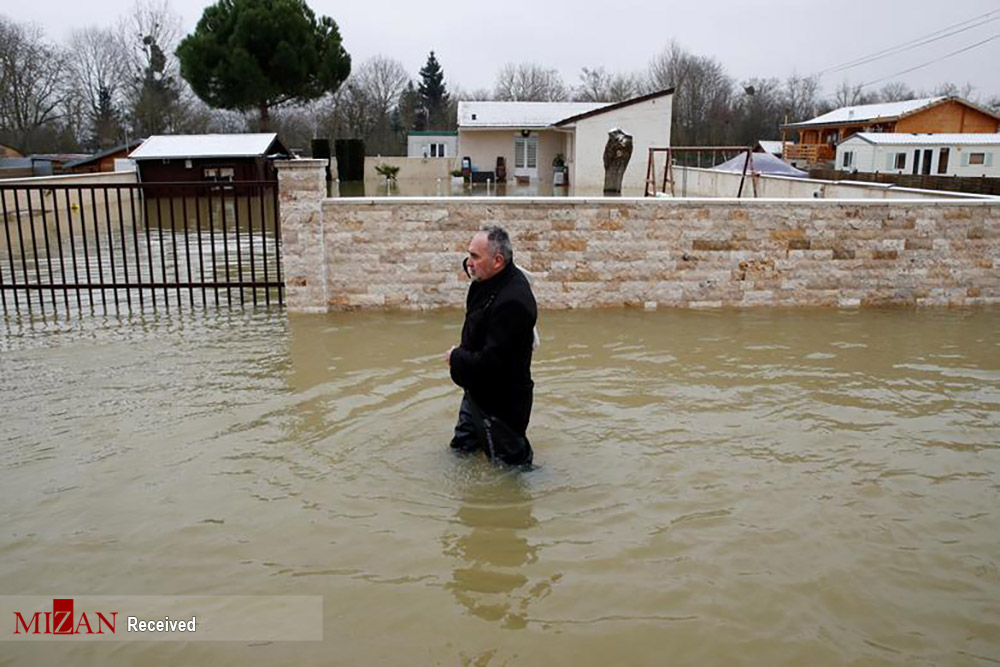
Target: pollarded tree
[(260, 54)]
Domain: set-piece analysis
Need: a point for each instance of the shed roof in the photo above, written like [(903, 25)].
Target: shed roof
[(924, 139), (173, 146), (869, 112), (101, 155), (520, 114)]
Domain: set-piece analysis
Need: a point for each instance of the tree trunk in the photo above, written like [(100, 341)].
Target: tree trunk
[(263, 117), (617, 152)]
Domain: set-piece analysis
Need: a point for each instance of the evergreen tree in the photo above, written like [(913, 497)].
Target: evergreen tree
[(433, 95), (260, 54), (407, 111), (106, 122)]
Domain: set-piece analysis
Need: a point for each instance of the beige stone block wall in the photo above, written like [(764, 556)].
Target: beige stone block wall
[(645, 253), (301, 190)]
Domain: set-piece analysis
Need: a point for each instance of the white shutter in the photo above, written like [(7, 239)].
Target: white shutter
[(519, 153), (532, 153), (989, 160), (890, 161), (965, 158)]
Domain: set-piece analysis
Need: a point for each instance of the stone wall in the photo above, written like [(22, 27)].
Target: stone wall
[(407, 252), (301, 188)]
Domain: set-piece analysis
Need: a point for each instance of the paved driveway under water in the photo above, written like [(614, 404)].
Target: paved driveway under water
[(728, 487)]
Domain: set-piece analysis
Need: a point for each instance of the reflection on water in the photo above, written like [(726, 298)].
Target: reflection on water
[(491, 548), (445, 188), (773, 486)]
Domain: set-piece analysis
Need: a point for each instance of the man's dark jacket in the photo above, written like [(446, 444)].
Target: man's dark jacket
[(493, 363)]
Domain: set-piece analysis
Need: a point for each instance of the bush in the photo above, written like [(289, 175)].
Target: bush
[(387, 170)]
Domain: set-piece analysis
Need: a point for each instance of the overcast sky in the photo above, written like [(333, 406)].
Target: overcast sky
[(752, 39)]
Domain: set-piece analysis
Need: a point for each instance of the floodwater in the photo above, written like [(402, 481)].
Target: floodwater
[(768, 487), (377, 187)]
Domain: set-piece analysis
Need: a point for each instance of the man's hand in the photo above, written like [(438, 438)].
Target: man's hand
[(447, 355)]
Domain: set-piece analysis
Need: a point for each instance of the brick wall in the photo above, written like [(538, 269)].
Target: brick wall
[(406, 253)]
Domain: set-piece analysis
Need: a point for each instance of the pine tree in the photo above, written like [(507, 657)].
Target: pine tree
[(261, 54), (433, 95)]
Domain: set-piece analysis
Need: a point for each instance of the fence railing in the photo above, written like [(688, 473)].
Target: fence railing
[(979, 185), (127, 246)]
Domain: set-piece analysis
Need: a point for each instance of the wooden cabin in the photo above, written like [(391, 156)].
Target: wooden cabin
[(818, 138), (186, 158), (101, 162)]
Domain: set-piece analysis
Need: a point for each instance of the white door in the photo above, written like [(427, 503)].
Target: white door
[(526, 156)]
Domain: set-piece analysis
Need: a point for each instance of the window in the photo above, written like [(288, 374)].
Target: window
[(436, 150), (900, 160), (977, 158), (943, 161), (220, 174), (848, 159)]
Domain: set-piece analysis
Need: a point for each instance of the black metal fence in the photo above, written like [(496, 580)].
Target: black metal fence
[(126, 246)]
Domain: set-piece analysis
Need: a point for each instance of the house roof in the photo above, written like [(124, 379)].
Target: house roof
[(62, 158), (773, 147), (520, 114), (864, 113), (617, 105), (99, 156), (907, 139), (173, 146), (539, 114)]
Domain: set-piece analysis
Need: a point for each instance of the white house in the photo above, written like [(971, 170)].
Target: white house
[(927, 154), (529, 136), (432, 143)]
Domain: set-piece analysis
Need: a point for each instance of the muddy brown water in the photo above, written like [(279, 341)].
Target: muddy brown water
[(773, 487)]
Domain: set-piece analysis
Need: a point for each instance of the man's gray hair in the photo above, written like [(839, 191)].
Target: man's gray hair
[(499, 242)]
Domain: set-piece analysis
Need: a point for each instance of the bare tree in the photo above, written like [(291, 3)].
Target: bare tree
[(100, 73), (801, 98), (702, 98), (156, 95), (477, 95), (847, 95), (758, 111), (32, 83), (529, 82), (597, 85), (382, 80), (947, 89), (895, 91)]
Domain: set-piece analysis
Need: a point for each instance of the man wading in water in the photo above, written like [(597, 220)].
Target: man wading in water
[(493, 363)]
